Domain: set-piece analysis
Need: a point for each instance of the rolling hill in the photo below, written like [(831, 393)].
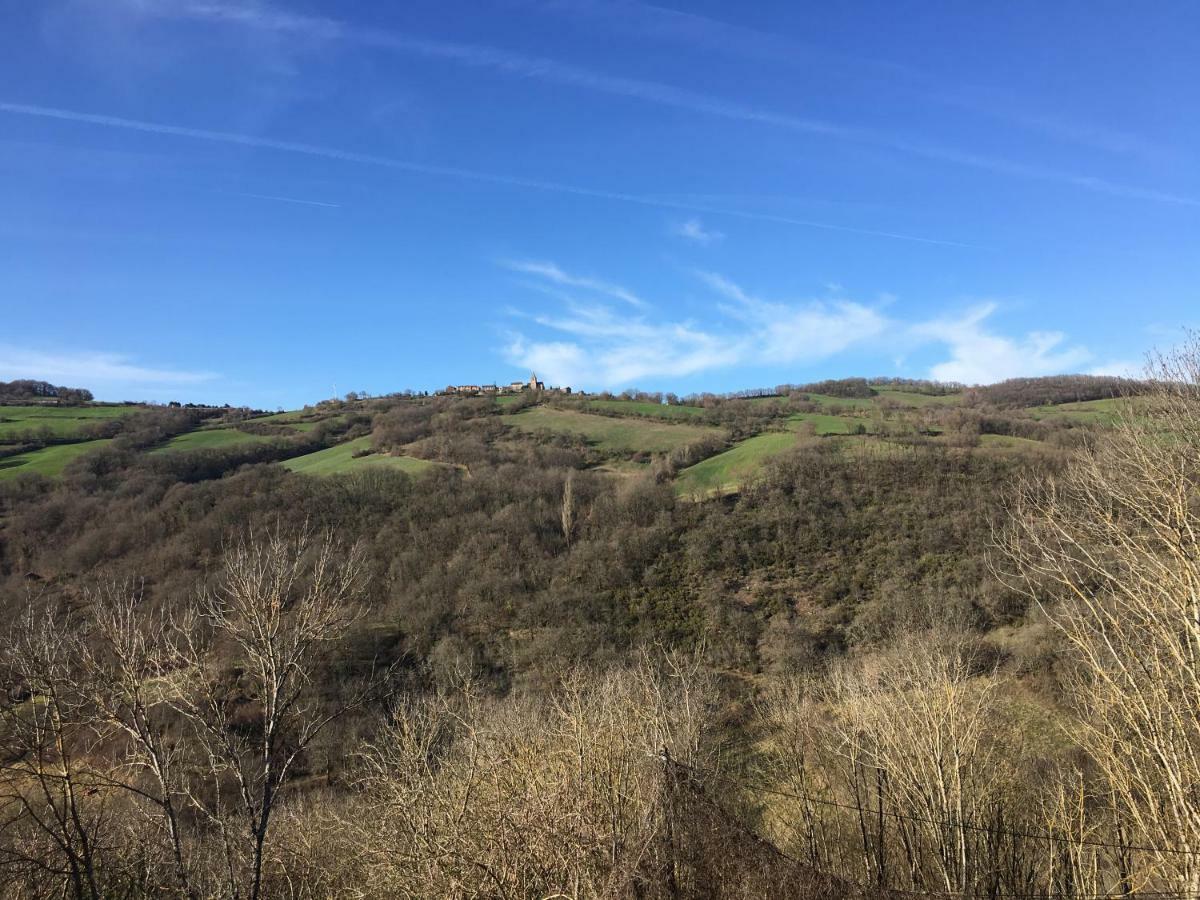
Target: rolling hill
[(715, 446)]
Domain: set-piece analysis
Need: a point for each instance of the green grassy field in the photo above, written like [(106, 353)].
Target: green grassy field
[(909, 398), (49, 461), (284, 418), (847, 402), (646, 408), (612, 434), (62, 421), (825, 400), (827, 424), (734, 467), (341, 459), (209, 439), (624, 468), (1008, 442), (1096, 412), (871, 447)]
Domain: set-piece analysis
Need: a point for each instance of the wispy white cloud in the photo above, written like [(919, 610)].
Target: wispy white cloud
[(494, 59), (726, 287), (246, 140), (589, 345), (554, 274), (596, 347), (629, 352), (694, 230), (788, 333), (980, 356), (86, 368)]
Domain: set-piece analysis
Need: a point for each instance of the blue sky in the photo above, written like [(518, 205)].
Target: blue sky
[(265, 203)]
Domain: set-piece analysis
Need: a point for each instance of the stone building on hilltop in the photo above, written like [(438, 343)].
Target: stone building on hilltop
[(513, 387)]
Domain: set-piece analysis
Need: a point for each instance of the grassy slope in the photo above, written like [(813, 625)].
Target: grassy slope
[(284, 418), (742, 462), (1100, 412), (825, 400), (864, 404), (49, 461), (67, 412), (63, 421), (1009, 442), (341, 459), (608, 433), (847, 402), (646, 408), (209, 439), (826, 424), (733, 467), (908, 398)]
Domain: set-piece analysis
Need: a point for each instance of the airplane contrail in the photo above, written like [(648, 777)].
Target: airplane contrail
[(265, 143), (283, 199)]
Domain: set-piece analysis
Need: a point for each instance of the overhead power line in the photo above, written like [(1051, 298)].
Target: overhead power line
[(967, 826)]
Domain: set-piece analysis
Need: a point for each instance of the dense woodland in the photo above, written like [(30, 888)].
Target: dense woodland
[(535, 670)]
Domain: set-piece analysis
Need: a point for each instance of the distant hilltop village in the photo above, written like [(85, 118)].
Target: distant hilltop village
[(515, 387)]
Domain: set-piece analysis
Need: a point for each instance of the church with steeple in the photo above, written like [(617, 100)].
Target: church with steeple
[(514, 387)]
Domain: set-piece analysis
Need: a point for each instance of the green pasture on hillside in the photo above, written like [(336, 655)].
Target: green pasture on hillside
[(855, 403), (1009, 442), (734, 467), (846, 402), (285, 418), (827, 424), (61, 421), (911, 398), (1094, 412), (646, 408), (341, 459), (626, 435), (49, 461), (210, 439)]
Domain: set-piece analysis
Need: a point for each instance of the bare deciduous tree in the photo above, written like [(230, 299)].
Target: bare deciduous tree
[(53, 811), (471, 797), (130, 666), (1112, 548), (903, 769), (281, 602), (161, 742), (568, 507)]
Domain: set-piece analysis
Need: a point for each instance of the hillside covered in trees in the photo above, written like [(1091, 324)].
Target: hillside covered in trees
[(849, 639), (25, 390)]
